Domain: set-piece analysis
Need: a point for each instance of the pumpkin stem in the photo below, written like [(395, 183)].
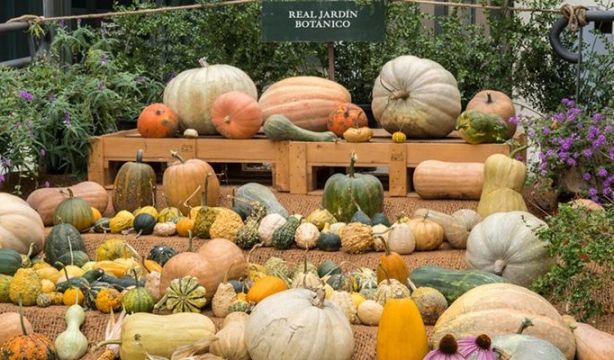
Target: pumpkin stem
[(516, 150), (30, 249), (502, 355), (399, 94), (176, 155), (139, 156), (489, 98), (136, 277), (203, 62), (499, 266), (205, 198), (189, 240), (21, 322), (318, 299), (526, 322), (353, 159)]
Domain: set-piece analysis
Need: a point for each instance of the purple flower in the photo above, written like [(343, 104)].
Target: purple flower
[(104, 59), (568, 102), (612, 152), (447, 350), (592, 192), (571, 162), (563, 155), (478, 345), (586, 176), (549, 153), (600, 141), (42, 152), (514, 120), (558, 117), (531, 133), (602, 172), (597, 117), (593, 132), (67, 121), (566, 144), (6, 163), (24, 94), (2, 181), (608, 129), (587, 153), (546, 130)]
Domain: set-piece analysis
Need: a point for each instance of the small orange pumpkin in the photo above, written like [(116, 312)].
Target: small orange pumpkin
[(345, 116), (264, 287), (184, 226), (157, 121), (73, 296), (236, 115)]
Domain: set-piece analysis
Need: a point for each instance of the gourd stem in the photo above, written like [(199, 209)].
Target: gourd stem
[(136, 278), (176, 155), (526, 322), (21, 322), (189, 240), (185, 203), (205, 198), (30, 249), (139, 156), (489, 98), (105, 343), (353, 159), (412, 286), (318, 300), (517, 150), (203, 62)]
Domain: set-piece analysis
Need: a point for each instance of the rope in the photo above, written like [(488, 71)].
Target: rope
[(577, 13), (576, 16)]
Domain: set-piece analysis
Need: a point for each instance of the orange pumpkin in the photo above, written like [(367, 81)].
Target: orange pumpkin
[(345, 116), (157, 121), (184, 226), (264, 287), (494, 102), (73, 296), (236, 115)]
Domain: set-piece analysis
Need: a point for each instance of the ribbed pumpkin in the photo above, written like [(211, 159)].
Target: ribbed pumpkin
[(392, 266), (306, 100), (401, 334), (135, 185), (496, 309), (417, 97), (20, 226), (65, 245), (343, 194), (504, 179), (191, 93), (137, 299), (186, 178), (345, 116), (45, 200), (157, 121), (494, 102), (74, 211), (236, 115)]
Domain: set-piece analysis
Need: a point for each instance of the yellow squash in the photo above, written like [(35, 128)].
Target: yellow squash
[(401, 334)]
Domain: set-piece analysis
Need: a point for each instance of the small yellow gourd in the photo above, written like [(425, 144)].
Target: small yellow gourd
[(72, 344), (72, 296), (47, 286), (362, 134), (108, 299), (121, 221), (398, 137)]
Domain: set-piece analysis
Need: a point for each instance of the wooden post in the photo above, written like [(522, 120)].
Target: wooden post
[(331, 60)]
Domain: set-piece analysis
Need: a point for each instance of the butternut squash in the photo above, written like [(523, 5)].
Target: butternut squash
[(449, 180)]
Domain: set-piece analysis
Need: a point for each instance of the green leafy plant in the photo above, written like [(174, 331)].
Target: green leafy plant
[(581, 240)]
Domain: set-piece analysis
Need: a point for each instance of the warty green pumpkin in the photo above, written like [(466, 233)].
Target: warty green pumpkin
[(477, 127), (134, 185), (345, 193)]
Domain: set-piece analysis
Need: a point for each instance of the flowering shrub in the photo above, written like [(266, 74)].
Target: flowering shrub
[(575, 149), (49, 110)]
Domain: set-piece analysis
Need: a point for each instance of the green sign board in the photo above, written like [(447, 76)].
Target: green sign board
[(323, 21)]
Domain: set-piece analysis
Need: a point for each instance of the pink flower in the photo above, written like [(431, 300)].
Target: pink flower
[(478, 345), (447, 350)]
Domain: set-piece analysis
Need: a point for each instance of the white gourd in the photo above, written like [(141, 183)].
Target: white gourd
[(268, 225), (230, 343), (72, 344), (306, 236), (369, 312), (401, 239)]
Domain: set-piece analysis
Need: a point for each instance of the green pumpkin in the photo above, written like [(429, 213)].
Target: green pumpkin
[(138, 299), (343, 194), (329, 241), (477, 128), (144, 224), (101, 225), (328, 267), (340, 282), (380, 218), (161, 254), (360, 217), (135, 185), (74, 211), (10, 261), (283, 236), (64, 245)]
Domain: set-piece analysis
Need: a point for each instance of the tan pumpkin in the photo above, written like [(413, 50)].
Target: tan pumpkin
[(494, 102), (417, 97), (45, 200), (20, 225), (428, 234), (184, 183), (456, 227), (495, 309), (306, 100), (401, 239), (354, 135), (435, 179), (230, 343), (191, 93), (236, 115), (10, 326), (592, 344)]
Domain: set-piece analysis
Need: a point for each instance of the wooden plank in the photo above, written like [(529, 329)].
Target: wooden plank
[(300, 174), (418, 152), (281, 169), (95, 165), (153, 149), (226, 150), (338, 154), (397, 170)]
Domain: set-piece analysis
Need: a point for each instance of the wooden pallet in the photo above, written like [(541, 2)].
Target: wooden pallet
[(293, 163)]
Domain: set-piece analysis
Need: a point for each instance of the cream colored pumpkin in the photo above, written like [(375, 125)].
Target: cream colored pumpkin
[(297, 324), (505, 244), (428, 234), (417, 97), (369, 312), (306, 236), (268, 225), (223, 298), (380, 235), (496, 309), (230, 343), (401, 239), (192, 92), (20, 225)]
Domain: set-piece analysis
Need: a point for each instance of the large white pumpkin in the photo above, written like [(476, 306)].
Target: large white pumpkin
[(298, 324), (417, 97), (506, 244), (20, 225), (191, 93)]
